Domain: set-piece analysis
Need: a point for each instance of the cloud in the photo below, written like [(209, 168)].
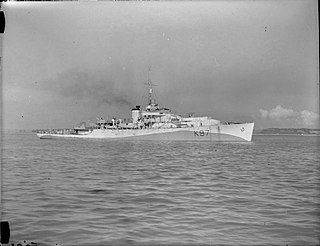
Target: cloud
[(309, 118), (303, 118), (278, 113), (74, 84)]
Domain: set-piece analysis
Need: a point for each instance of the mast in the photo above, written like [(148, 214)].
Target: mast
[(151, 100)]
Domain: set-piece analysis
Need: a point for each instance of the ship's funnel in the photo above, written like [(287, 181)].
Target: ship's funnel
[(135, 114)]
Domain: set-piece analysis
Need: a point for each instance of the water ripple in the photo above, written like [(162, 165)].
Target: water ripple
[(151, 192)]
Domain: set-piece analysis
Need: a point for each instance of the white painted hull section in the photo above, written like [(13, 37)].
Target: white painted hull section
[(231, 132)]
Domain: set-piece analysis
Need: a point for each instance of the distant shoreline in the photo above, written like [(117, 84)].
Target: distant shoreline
[(284, 134), (288, 131)]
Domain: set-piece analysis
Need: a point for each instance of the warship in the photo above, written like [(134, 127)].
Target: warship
[(157, 123)]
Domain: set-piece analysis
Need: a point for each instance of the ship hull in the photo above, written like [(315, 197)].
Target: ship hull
[(222, 132)]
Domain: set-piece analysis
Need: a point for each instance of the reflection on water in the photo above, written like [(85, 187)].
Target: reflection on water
[(94, 192)]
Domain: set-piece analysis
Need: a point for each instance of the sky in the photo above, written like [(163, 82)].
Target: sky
[(68, 62)]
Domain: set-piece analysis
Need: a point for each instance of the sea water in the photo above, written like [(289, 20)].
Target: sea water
[(119, 192)]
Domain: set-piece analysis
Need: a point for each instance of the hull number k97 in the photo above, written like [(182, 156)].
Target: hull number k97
[(201, 133)]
